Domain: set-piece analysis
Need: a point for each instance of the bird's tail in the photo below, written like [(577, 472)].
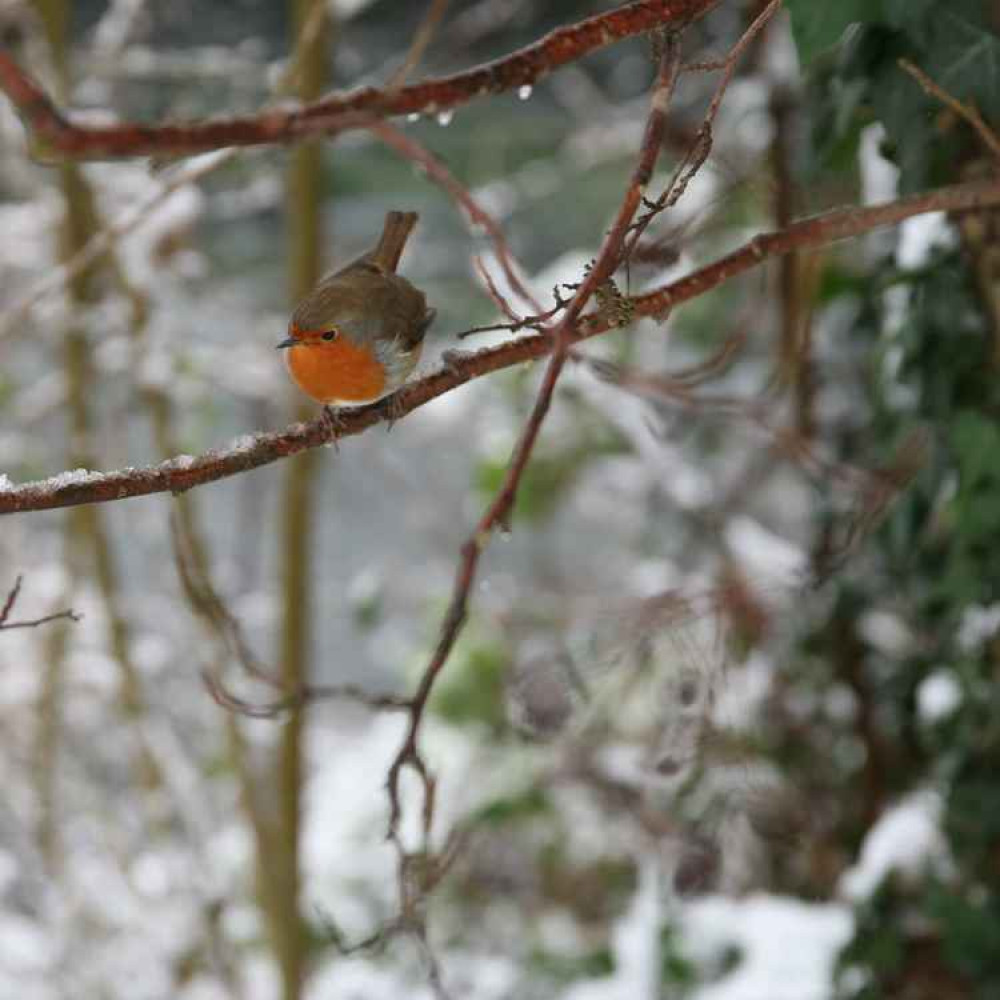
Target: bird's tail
[(395, 233)]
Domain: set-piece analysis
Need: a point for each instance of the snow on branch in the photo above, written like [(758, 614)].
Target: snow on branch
[(254, 450)]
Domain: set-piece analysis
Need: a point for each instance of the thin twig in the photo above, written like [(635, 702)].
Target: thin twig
[(69, 614), (8, 606), (206, 601), (421, 40), (873, 490), (696, 156), (498, 513), (438, 172), (966, 111), (102, 241), (308, 694), (499, 300), (210, 607)]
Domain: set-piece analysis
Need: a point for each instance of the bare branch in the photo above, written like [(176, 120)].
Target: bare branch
[(337, 113), (8, 606), (252, 451), (498, 513), (212, 609), (438, 172), (104, 240), (421, 40), (702, 146), (966, 111)]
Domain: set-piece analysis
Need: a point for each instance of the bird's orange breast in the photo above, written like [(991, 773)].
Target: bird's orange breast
[(336, 372)]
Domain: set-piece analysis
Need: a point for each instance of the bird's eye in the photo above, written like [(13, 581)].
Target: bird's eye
[(330, 335)]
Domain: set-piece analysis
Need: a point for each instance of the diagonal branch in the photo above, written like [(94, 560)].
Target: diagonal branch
[(104, 240), (702, 145), (498, 513), (340, 112), (252, 451), (421, 40), (438, 172), (967, 111)]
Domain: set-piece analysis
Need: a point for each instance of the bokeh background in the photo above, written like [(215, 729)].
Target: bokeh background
[(722, 722)]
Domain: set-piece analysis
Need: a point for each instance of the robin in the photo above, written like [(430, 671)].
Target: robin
[(357, 335)]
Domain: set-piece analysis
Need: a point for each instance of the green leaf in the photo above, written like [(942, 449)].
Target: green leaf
[(977, 441), (818, 26), (965, 59), (902, 108), (547, 479), (594, 964), (472, 689), (905, 13), (526, 805), (970, 931)]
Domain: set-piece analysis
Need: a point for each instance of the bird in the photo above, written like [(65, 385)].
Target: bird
[(357, 336)]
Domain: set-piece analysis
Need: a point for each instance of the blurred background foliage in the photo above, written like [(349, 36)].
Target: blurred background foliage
[(686, 747)]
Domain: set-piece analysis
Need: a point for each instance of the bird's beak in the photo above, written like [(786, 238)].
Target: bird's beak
[(289, 342)]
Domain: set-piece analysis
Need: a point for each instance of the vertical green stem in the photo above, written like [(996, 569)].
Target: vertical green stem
[(305, 195), (86, 543)]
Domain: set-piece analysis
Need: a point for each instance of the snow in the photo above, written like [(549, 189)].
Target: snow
[(762, 553), (635, 944), (938, 696), (349, 8), (879, 177), (918, 237), (24, 945), (498, 198), (245, 442), (788, 947), (886, 632), (72, 477), (905, 839), (740, 699), (978, 625)]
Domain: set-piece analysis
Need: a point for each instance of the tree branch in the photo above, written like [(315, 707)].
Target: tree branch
[(966, 111), (497, 515), (11, 600), (438, 172), (339, 112), (252, 451)]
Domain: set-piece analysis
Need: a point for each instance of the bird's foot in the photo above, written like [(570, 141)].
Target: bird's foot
[(395, 409), (335, 424), (451, 361)]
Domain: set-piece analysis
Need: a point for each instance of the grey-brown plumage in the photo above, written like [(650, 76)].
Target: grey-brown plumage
[(357, 335), (367, 301)]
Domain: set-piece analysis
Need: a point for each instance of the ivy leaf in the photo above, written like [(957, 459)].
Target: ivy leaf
[(904, 13), (818, 26), (965, 60), (903, 109), (977, 441)]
